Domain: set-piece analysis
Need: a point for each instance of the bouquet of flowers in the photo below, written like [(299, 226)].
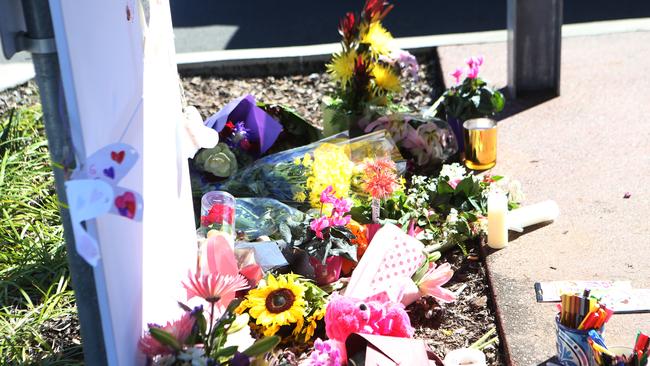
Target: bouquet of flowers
[(367, 69), (211, 332), (298, 176), (286, 306), (426, 140)]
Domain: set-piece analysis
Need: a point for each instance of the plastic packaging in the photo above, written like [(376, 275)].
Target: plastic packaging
[(298, 176)]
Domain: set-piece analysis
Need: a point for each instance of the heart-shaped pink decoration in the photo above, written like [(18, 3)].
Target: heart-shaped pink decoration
[(126, 204)]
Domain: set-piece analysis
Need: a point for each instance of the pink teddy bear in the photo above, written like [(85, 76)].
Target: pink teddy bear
[(373, 315)]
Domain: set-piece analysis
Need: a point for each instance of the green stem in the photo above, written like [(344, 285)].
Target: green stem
[(209, 344)]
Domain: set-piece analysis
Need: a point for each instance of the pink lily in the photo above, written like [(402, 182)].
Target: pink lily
[(220, 258), (457, 74), (414, 230), (318, 225), (431, 283)]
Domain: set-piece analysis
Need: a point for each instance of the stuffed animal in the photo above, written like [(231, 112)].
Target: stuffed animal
[(372, 315)]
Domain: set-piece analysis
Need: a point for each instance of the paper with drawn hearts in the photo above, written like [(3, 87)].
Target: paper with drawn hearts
[(87, 199), (110, 163), (93, 191)]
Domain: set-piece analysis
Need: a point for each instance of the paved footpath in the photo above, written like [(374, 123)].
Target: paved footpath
[(584, 149)]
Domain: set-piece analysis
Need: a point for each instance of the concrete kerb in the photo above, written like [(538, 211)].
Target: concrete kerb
[(303, 59)]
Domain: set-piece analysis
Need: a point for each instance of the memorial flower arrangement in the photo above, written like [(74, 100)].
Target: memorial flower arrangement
[(334, 238), (367, 70), (470, 97)]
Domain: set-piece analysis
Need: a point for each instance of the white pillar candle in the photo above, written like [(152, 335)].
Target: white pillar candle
[(533, 214), (497, 220)]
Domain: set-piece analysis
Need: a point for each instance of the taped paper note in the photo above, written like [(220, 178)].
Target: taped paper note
[(93, 191)]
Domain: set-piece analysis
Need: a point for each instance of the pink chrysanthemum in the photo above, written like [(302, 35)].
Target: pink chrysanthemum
[(215, 287), (179, 329), (381, 178)]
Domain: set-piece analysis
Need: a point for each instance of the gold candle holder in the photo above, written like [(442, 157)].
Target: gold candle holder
[(480, 135)]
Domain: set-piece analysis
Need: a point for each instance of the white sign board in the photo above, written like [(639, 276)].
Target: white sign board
[(121, 85)]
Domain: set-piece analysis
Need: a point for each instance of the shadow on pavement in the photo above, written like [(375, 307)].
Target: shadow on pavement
[(522, 103)]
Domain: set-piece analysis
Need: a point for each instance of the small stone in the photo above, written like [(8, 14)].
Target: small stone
[(478, 302)]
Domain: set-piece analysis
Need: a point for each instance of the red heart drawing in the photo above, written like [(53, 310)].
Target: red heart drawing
[(126, 204), (117, 156)]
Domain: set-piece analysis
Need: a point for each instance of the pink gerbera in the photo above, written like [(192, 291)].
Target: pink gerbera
[(179, 329), (215, 287)]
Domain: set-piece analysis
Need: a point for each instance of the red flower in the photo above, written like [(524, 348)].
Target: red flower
[(229, 125), (487, 178), (375, 10), (218, 214), (347, 27), (362, 74), (245, 144)]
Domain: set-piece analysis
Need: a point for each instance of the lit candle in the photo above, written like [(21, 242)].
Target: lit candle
[(519, 218), (497, 220)]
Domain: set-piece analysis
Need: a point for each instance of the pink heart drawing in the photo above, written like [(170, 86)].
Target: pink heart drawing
[(126, 204)]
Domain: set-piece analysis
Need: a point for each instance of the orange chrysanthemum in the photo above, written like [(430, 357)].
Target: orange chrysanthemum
[(381, 178), (361, 241)]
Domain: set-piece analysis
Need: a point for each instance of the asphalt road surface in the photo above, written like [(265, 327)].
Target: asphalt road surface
[(212, 24)]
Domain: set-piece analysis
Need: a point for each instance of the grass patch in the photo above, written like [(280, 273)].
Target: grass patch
[(38, 317)]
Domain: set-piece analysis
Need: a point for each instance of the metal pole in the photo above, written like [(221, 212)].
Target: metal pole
[(57, 128), (534, 46)]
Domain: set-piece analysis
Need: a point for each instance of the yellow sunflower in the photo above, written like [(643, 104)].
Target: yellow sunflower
[(379, 39), (277, 302), (386, 79), (312, 323), (341, 68)]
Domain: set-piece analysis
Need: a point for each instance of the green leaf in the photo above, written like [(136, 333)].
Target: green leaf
[(444, 187), (165, 338), (183, 306), (262, 346), (226, 352), (498, 101)]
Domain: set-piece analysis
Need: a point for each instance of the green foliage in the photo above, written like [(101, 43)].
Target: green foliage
[(38, 317), (444, 214), (261, 346), (218, 161), (473, 98), (336, 240)]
